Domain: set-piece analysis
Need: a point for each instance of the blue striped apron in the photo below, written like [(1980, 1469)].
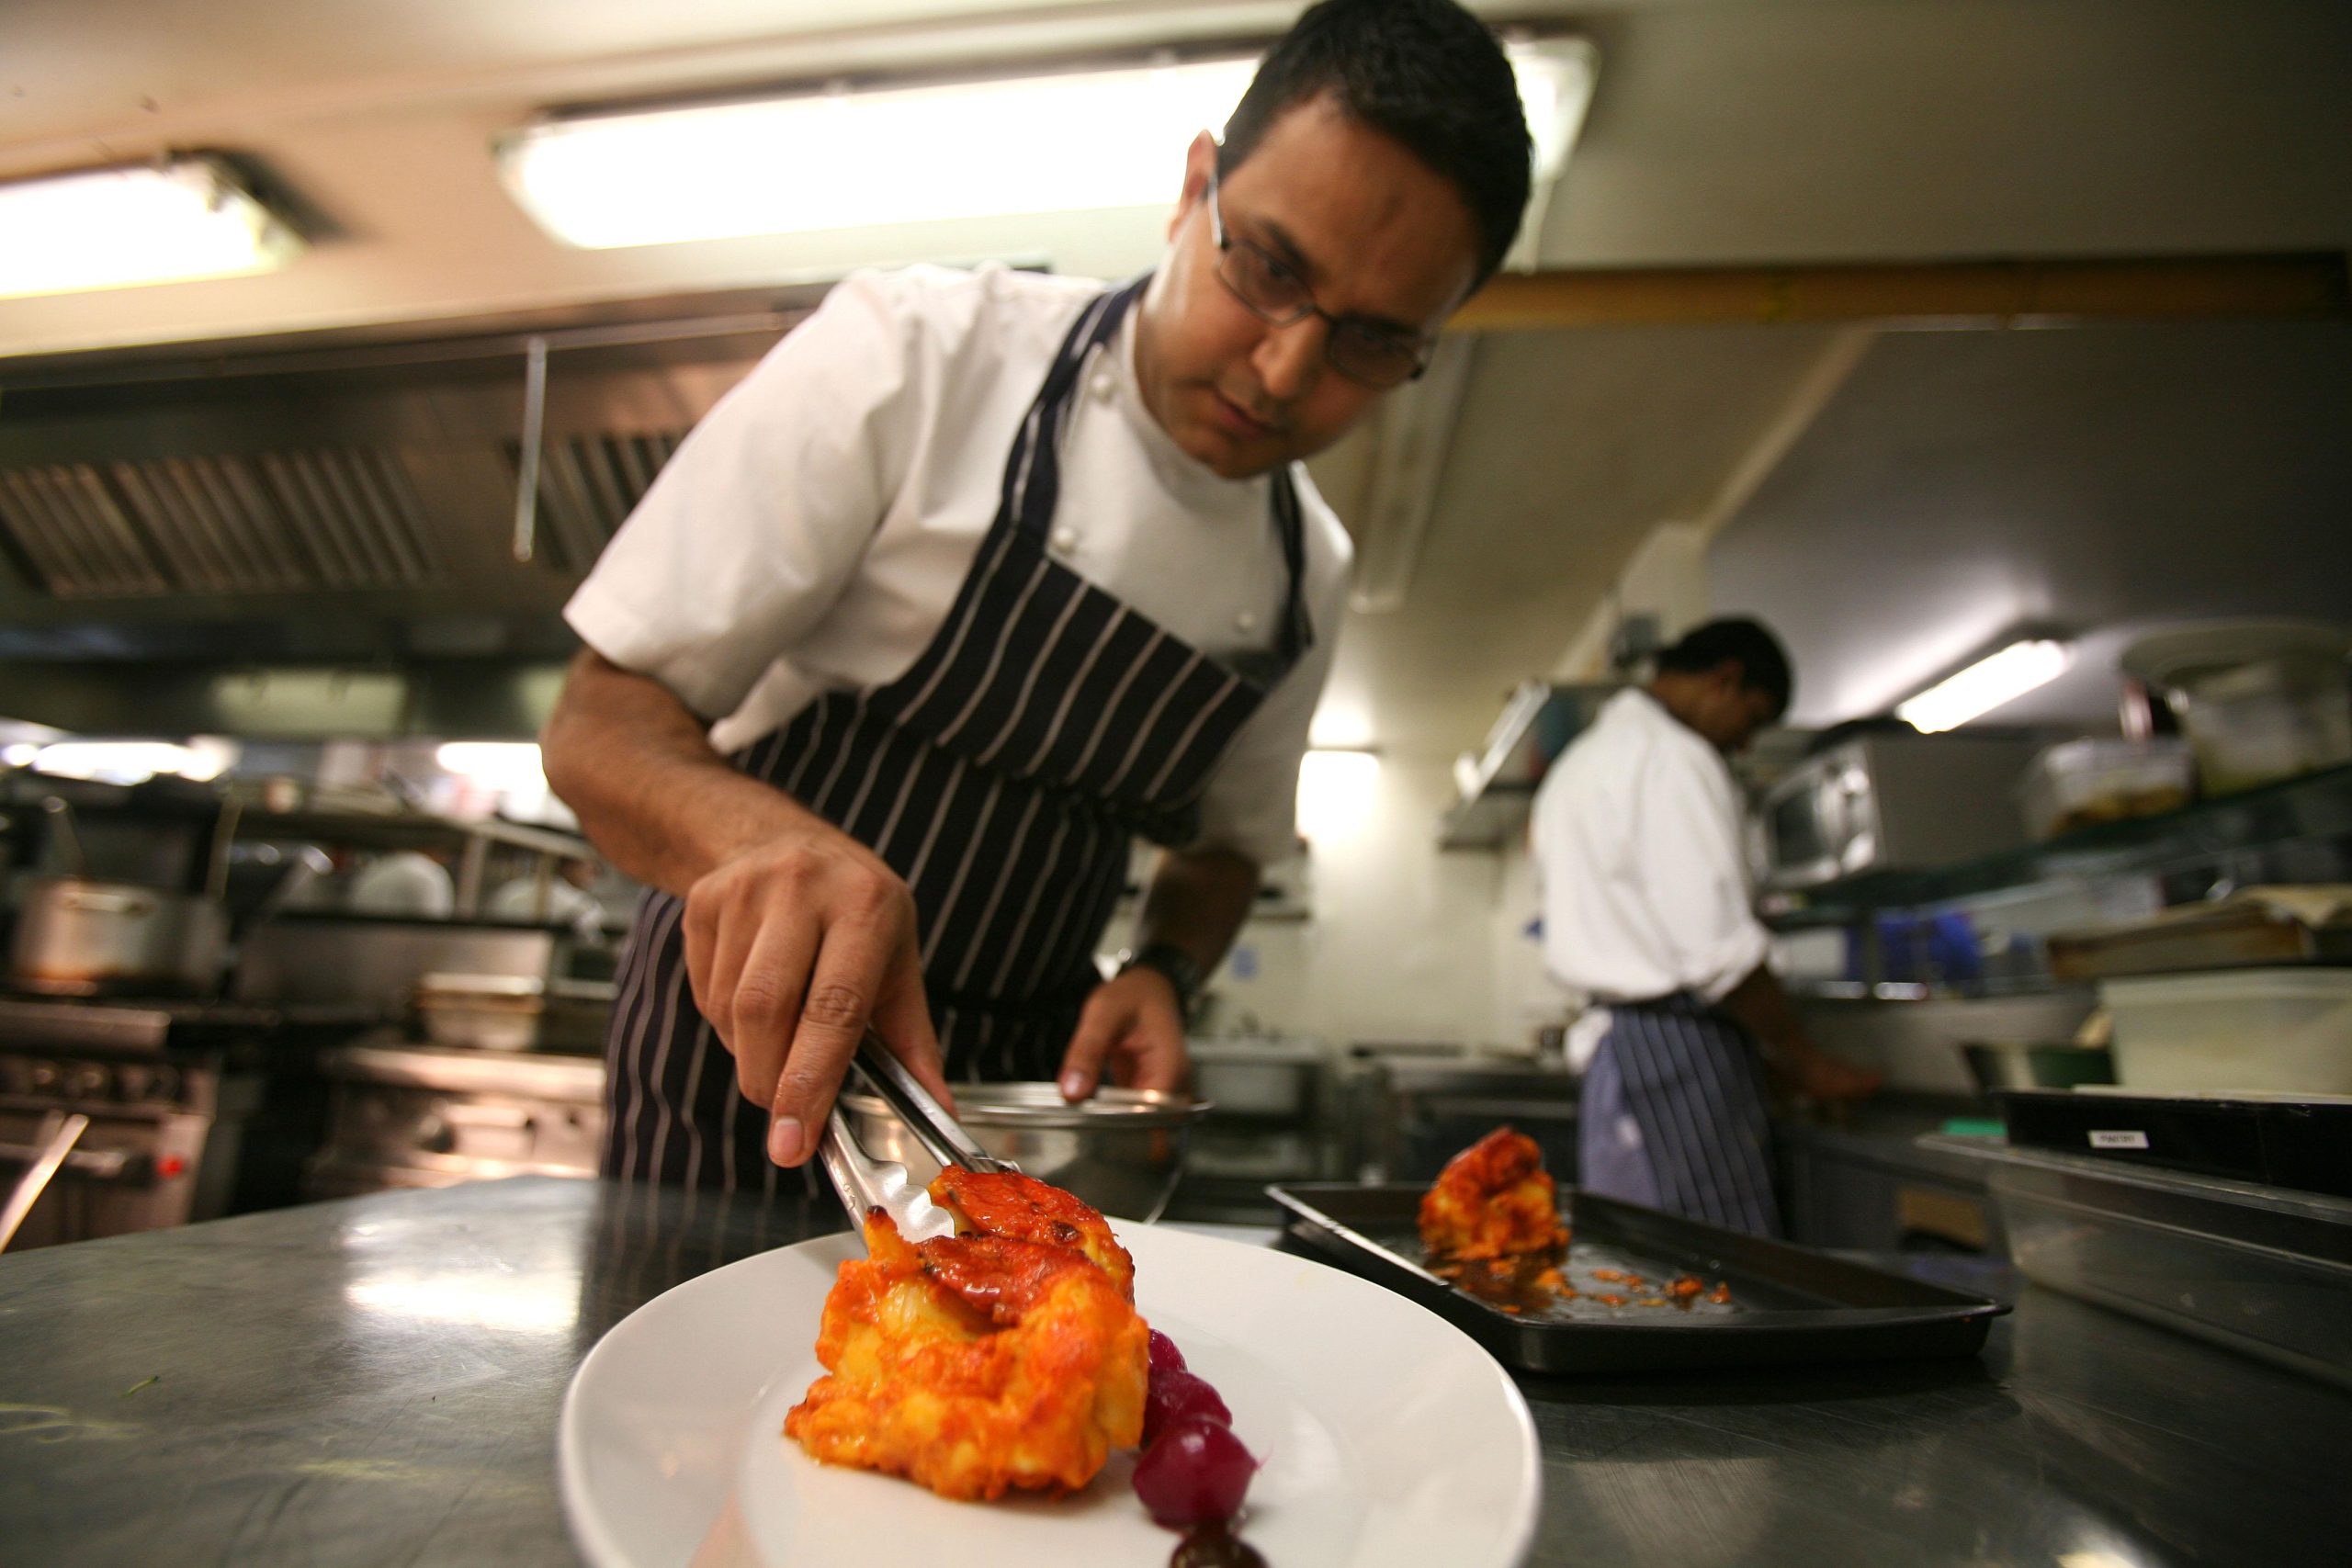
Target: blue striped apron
[(1672, 1115), (1002, 776)]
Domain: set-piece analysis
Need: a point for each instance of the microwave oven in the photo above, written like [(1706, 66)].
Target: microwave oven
[(1889, 803)]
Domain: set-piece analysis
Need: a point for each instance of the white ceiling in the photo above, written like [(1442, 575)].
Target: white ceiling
[(1724, 131), (2105, 480)]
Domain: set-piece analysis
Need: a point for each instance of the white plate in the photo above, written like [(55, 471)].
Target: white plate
[(1390, 1439)]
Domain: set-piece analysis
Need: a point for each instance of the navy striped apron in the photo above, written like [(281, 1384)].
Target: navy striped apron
[(1672, 1115), (1003, 776)]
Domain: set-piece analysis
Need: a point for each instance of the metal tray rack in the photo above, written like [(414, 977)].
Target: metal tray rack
[(1788, 1303), (2264, 1269)]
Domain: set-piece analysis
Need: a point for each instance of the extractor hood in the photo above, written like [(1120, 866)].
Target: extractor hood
[(313, 504)]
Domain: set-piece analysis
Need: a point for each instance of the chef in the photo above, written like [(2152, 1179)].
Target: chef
[(981, 576), (1636, 839)]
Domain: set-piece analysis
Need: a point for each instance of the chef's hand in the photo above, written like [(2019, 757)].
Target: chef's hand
[(1133, 1025), (792, 948), (1831, 1085)]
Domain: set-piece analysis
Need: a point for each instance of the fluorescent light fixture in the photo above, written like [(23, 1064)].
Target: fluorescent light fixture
[(803, 162), (500, 764), (1984, 685), (129, 761), (163, 223), (1336, 792)]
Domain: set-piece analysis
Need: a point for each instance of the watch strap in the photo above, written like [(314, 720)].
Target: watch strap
[(1172, 962)]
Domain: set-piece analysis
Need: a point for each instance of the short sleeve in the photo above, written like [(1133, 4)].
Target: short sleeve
[(749, 532), (1252, 804)]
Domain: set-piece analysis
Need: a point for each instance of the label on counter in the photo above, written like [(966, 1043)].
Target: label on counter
[(2123, 1140)]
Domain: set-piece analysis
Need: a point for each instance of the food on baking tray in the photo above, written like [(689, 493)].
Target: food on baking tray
[(1491, 1223), (1493, 1199), (1009, 1357)]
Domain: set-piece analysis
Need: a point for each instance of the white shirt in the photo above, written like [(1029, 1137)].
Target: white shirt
[(518, 900), (811, 533), (1637, 850)]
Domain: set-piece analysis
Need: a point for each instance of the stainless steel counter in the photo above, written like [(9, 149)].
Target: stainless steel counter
[(377, 1381)]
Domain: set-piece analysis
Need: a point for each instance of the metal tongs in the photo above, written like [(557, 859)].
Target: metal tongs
[(864, 1182)]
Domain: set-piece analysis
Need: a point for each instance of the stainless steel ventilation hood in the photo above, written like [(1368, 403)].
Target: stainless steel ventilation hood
[(199, 519)]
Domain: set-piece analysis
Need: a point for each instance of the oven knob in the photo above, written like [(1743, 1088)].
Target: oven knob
[(133, 1081), (43, 1077), (88, 1080)]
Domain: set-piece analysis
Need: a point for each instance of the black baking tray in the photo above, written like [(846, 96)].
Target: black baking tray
[(1789, 1305), (2275, 1140)]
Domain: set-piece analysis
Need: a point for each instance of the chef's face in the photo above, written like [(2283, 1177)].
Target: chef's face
[(1377, 236), (1726, 711)]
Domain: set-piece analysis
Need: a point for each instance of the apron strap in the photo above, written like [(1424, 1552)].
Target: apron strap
[(1298, 631), (1033, 477), (1031, 486)]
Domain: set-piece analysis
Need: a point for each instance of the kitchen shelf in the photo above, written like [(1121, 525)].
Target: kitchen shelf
[(2315, 805), (403, 830), (1496, 784), (365, 824)]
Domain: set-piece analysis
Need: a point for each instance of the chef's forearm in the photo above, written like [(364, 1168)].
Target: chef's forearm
[(1196, 902), (633, 763)]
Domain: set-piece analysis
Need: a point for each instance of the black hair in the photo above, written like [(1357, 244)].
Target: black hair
[(1425, 72), (1763, 662)]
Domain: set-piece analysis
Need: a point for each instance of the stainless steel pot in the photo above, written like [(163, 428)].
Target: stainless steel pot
[(77, 937), (1123, 1151)]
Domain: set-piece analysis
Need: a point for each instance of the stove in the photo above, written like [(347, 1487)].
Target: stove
[(403, 1114), (178, 1099)]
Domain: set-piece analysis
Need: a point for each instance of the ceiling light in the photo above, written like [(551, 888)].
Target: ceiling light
[(163, 223), (1336, 792), (500, 764), (1984, 685), (130, 761), (1072, 142)]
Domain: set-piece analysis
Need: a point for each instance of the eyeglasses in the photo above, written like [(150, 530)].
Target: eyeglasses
[(1275, 293)]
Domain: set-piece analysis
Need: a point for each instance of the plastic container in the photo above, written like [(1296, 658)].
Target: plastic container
[(2267, 1031), (2259, 701), (2085, 782)]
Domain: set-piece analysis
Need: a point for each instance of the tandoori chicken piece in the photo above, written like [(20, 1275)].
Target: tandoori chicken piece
[(976, 1364), (1493, 1199), (1025, 1208)]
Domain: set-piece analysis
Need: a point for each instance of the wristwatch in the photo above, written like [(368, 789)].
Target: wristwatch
[(1166, 958)]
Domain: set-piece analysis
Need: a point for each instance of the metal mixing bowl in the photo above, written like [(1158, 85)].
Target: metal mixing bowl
[(1123, 1151)]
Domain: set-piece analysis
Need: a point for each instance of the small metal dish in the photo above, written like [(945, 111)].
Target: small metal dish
[(1123, 1151)]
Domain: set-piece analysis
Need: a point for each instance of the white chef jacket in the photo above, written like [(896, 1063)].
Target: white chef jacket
[(1637, 851), (812, 532)]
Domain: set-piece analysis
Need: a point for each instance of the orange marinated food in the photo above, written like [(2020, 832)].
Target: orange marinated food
[(1025, 1208), (984, 1362), (1493, 1199)]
